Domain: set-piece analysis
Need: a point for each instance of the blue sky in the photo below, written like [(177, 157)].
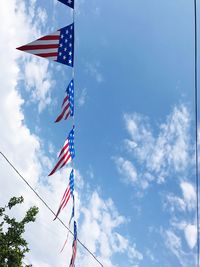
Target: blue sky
[(134, 134)]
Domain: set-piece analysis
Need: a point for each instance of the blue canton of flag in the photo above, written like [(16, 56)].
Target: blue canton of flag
[(68, 103), (66, 46), (70, 92), (75, 231), (73, 211), (71, 183), (69, 3), (71, 143)]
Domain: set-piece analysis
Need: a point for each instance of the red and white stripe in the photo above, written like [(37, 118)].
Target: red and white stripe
[(46, 46), (74, 249), (64, 201), (64, 158), (65, 110)]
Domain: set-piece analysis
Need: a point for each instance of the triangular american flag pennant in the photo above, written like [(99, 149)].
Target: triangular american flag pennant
[(69, 192), (69, 3), (72, 216), (74, 247), (57, 46), (68, 103), (67, 153)]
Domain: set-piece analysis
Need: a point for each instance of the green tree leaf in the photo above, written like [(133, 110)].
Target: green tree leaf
[(13, 246)]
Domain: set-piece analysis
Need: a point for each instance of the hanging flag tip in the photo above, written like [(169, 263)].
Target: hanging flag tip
[(67, 153), (69, 3), (68, 103)]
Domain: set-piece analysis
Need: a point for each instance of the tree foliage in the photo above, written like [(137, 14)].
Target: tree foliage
[(13, 246)]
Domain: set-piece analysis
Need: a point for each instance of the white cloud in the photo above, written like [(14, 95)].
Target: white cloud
[(185, 206), (102, 221), (175, 202), (185, 203), (141, 141), (150, 255), (126, 168), (82, 98), (51, 148), (38, 81), (42, 15), (15, 136), (189, 195), (174, 244), (36, 76), (191, 235), (93, 70), (158, 156)]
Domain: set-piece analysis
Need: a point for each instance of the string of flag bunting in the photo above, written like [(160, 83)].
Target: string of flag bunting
[(59, 47)]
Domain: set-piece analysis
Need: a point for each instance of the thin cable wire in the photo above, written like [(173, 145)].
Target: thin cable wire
[(73, 69), (48, 207), (74, 39), (196, 124)]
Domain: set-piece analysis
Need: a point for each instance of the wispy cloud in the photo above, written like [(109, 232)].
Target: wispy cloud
[(184, 203), (36, 75), (82, 97), (38, 82), (182, 210), (191, 235), (102, 221), (93, 70), (126, 169), (174, 244), (158, 155), (189, 195), (155, 156)]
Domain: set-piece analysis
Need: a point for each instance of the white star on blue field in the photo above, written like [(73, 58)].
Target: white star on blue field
[(134, 127)]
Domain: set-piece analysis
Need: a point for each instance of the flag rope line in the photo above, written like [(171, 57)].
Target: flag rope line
[(196, 124), (48, 207), (72, 261)]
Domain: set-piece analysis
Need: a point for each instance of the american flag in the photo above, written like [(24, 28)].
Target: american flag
[(73, 211), (74, 246), (68, 103), (67, 153), (72, 216), (69, 3), (57, 46), (68, 192)]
